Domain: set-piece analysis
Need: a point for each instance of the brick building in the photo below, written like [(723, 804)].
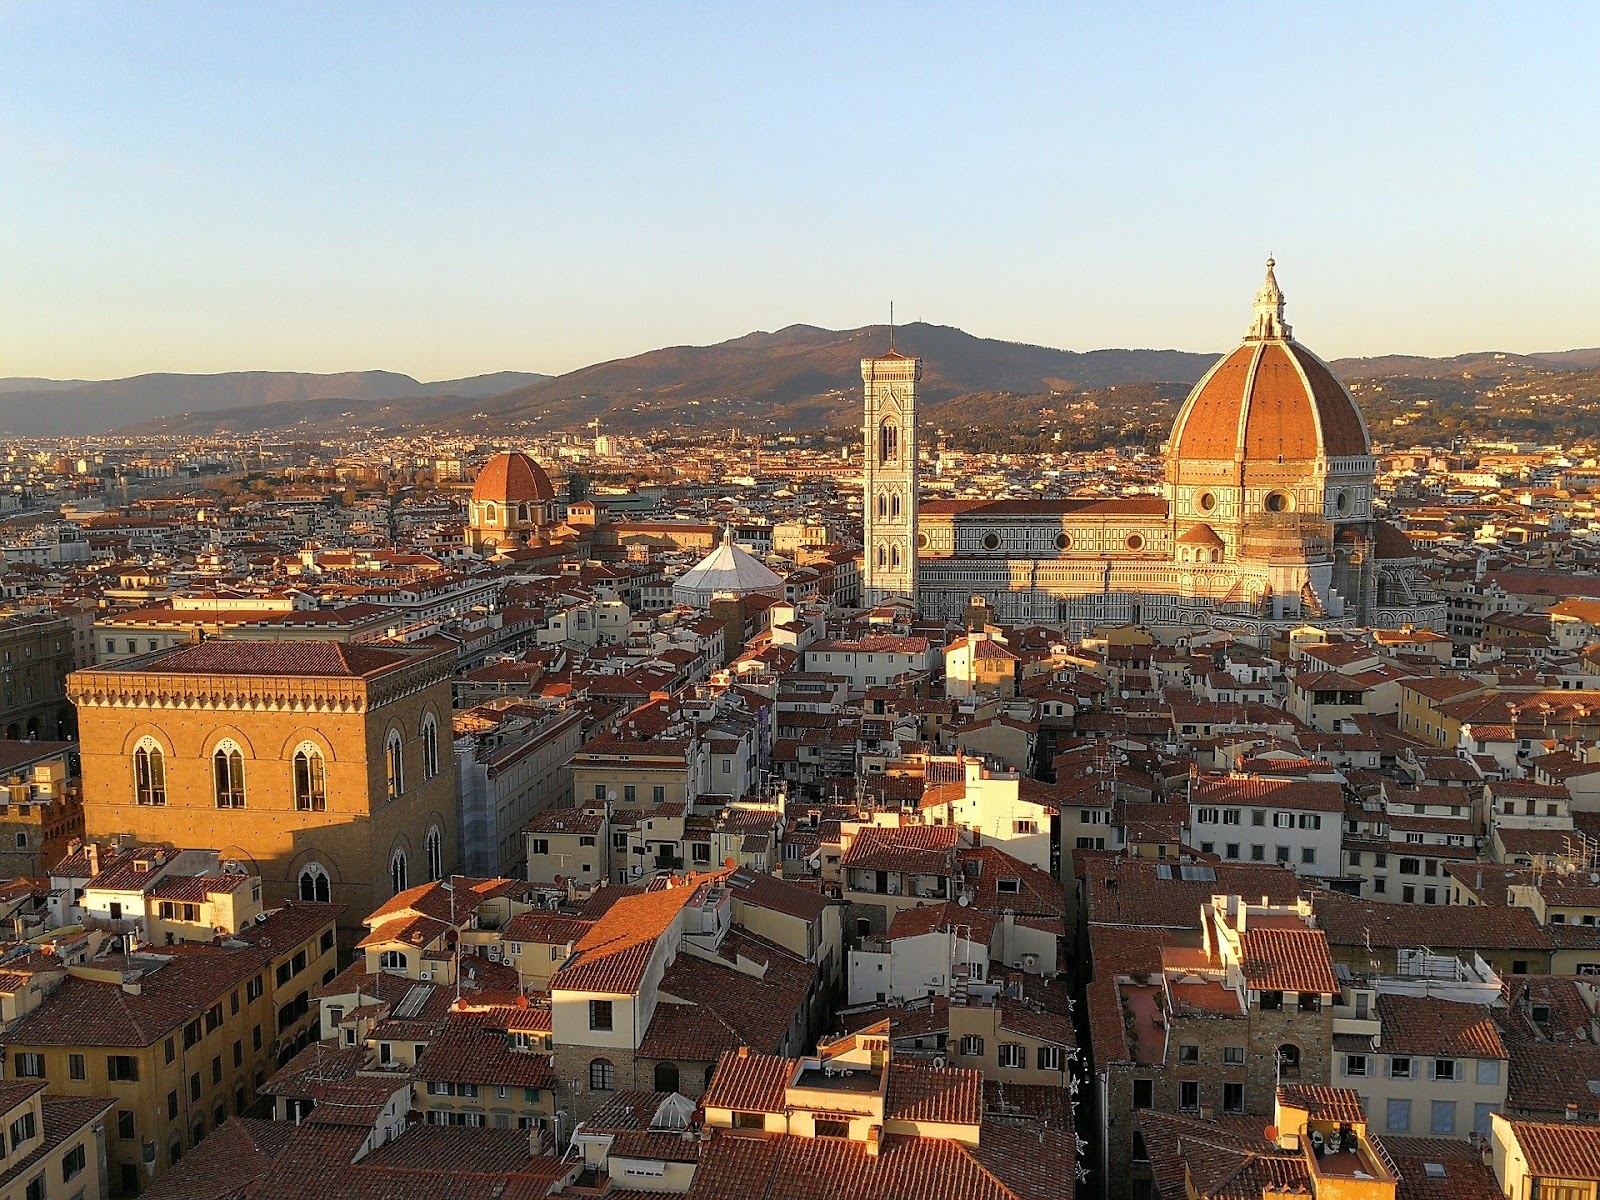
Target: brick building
[(322, 767)]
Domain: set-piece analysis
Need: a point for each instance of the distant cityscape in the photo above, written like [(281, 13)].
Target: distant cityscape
[(717, 812)]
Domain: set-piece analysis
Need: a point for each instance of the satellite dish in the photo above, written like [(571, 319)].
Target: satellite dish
[(963, 900), (612, 794)]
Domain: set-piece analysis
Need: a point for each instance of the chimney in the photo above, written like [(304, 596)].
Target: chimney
[(92, 850), (874, 1139)]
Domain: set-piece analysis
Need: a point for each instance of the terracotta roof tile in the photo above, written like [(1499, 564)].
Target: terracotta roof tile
[(1288, 960), (1466, 1176), (613, 955), (750, 1082), (295, 659), (940, 1095), (1324, 1103), (1568, 1150), (1424, 1025)]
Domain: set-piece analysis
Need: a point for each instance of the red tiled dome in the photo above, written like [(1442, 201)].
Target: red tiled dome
[(1269, 399), (1289, 402), (1201, 535), (1391, 543), (512, 479)]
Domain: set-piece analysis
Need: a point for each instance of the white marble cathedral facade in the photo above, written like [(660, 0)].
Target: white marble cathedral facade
[(1266, 518)]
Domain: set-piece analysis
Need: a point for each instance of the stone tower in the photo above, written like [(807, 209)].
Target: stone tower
[(889, 477)]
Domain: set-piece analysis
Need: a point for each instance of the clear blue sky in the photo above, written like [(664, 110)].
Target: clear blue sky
[(446, 189)]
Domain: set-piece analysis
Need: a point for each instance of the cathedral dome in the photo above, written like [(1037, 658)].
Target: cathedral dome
[(1270, 400), (512, 479)]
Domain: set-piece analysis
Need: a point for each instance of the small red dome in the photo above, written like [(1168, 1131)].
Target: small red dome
[(512, 479), (1390, 543)]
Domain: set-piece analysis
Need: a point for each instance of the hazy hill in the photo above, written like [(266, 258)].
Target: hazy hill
[(1476, 363), (45, 407), (24, 383), (801, 377), (804, 377)]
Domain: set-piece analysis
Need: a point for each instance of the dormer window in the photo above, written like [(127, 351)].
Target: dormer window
[(1008, 887)]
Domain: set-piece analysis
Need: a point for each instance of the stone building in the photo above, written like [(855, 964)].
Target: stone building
[(1215, 1029), (179, 1038), (1266, 515), (318, 766), (513, 503), (35, 659), (889, 477)]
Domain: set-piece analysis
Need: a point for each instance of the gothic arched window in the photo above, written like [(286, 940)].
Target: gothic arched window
[(314, 883), (394, 765), (149, 773), (430, 747), (310, 778), (435, 848), (889, 442), (227, 770), (399, 873)]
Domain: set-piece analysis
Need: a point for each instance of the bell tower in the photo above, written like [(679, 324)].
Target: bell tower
[(889, 477)]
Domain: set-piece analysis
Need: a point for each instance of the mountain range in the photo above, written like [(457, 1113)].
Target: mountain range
[(48, 407), (800, 378)]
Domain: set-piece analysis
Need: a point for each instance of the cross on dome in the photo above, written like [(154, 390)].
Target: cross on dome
[(1269, 322)]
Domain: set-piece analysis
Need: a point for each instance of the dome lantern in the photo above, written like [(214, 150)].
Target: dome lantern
[(1269, 322)]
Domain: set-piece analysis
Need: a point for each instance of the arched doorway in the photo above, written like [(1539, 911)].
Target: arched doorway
[(1288, 1061), (666, 1077)]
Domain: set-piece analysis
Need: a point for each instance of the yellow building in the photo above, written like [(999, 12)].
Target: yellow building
[(980, 664), (319, 766), (1008, 1041), (54, 1149), (180, 1039), (1554, 1161)]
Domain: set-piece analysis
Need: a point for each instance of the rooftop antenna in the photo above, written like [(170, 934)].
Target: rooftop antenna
[(891, 327)]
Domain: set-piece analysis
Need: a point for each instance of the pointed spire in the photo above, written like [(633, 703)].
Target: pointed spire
[(1269, 322)]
